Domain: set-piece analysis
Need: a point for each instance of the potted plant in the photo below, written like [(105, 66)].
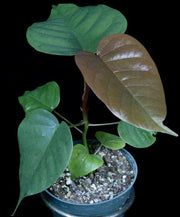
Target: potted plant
[(121, 73)]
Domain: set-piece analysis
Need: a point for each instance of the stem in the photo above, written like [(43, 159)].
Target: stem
[(77, 125), (98, 149), (103, 124), (71, 125), (85, 134), (85, 113)]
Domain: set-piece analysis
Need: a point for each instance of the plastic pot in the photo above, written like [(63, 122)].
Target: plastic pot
[(110, 208)]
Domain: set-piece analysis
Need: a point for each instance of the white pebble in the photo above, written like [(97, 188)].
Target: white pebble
[(111, 197), (68, 181), (102, 154), (93, 186), (124, 177)]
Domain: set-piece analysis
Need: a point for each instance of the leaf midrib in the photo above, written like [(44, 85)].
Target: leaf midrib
[(71, 29), (43, 154), (134, 97), (40, 102)]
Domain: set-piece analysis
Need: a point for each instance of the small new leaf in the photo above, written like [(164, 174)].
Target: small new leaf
[(135, 136), (82, 163), (109, 140)]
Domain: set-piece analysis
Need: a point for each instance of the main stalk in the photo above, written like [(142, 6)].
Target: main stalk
[(85, 113)]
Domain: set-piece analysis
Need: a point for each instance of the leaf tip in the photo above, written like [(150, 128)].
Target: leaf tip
[(19, 201), (168, 131), (172, 133)]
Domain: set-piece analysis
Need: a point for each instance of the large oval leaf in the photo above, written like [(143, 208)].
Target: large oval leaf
[(71, 28), (126, 79), (44, 97), (45, 149)]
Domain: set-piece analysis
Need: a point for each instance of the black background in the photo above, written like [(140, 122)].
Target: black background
[(155, 25)]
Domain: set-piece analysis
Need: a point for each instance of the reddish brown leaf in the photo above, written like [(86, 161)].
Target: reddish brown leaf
[(125, 78)]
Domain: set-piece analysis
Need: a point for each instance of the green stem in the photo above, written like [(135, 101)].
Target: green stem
[(98, 149), (84, 135), (77, 125), (85, 113), (103, 124), (71, 125)]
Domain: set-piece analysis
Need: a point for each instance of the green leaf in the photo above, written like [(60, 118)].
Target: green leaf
[(109, 140), (45, 149), (125, 78), (44, 97), (82, 163), (134, 136), (71, 28)]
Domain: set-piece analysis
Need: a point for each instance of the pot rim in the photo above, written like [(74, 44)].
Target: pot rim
[(135, 169)]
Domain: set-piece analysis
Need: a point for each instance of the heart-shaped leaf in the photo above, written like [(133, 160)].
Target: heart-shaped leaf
[(44, 97), (134, 136), (71, 28), (82, 163), (45, 149), (109, 140), (126, 79)]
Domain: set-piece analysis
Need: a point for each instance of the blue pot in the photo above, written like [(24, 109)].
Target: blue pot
[(110, 208)]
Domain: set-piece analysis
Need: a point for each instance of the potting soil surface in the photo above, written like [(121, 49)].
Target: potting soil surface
[(105, 183)]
